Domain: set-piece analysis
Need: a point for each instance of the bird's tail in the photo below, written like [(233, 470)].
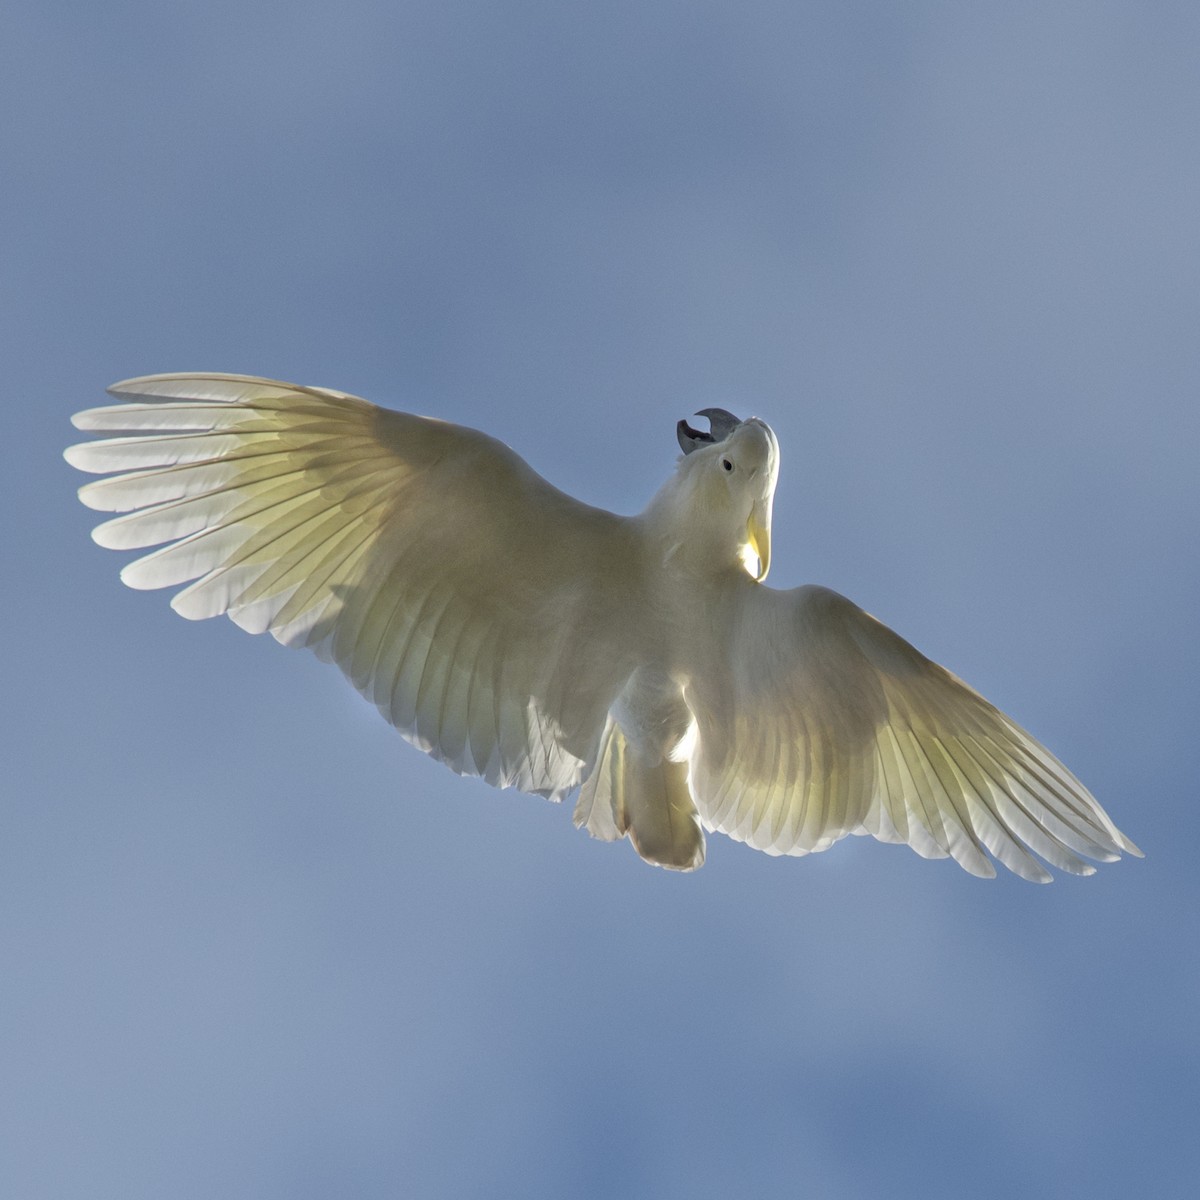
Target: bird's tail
[(648, 803)]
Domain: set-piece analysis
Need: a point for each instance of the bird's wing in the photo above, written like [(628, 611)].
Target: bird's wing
[(476, 605), (815, 721)]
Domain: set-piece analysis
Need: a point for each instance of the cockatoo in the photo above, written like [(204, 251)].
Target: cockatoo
[(520, 635)]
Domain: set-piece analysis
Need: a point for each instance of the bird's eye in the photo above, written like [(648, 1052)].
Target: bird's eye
[(726, 464)]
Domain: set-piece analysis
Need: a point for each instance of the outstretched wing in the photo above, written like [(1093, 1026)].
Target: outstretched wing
[(476, 605), (815, 721)]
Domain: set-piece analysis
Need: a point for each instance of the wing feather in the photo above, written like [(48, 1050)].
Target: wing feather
[(815, 721), (485, 613)]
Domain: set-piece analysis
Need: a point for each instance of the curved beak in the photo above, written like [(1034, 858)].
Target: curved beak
[(720, 424)]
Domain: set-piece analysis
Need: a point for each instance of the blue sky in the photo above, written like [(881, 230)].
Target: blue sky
[(257, 946)]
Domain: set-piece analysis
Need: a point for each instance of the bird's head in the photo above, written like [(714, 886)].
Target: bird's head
[(726, 483)]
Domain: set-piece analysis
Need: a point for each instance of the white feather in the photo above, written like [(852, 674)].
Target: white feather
[(522, 636)]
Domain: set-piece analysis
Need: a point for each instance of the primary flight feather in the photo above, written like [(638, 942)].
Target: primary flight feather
[(522, 636)]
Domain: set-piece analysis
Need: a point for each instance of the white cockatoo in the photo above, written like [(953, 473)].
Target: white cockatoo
[(525, 637)]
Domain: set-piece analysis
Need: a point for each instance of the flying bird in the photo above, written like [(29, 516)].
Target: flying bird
[(520, 635)]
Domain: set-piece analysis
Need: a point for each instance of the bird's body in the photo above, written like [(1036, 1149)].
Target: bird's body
[(522, 636)]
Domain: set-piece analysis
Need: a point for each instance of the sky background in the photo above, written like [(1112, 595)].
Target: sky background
[(253, 944)]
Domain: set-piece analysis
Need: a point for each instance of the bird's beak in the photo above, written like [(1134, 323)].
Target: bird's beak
[(720, 425), (758, 538)]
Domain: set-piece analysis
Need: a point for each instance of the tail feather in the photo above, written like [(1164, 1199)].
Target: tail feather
[(650, 804)]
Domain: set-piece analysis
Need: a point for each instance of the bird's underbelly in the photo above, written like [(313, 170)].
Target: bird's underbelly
[(654, 717)]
